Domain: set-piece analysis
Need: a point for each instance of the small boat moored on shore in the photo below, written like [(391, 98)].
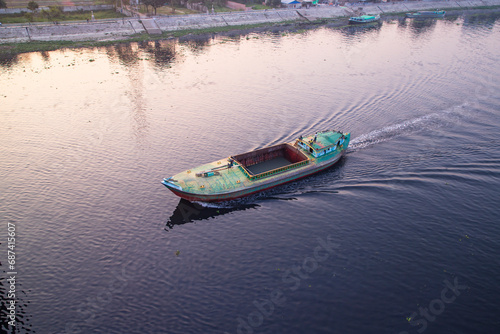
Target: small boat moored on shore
[(426, 14), (244, 174), (364, 19)]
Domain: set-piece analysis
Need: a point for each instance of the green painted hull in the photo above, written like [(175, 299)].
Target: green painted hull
[(217, 181), (426, 14), (364, 19)]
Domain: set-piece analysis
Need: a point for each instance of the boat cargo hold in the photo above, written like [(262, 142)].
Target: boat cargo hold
[(244, 174)]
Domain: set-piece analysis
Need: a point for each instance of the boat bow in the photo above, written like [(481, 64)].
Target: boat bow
[(169, 183)]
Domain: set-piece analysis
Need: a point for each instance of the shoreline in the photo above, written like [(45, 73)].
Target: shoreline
[(309, 19)]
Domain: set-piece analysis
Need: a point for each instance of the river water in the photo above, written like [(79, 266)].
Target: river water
[(401, 236)]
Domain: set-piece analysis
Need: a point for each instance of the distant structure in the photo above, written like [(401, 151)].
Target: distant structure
[(134, 4)]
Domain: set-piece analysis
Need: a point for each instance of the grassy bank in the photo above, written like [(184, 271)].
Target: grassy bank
[(167, 10), (65, 16), (9, 49), (451, 11)]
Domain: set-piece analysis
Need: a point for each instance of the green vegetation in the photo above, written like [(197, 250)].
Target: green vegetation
[(215, 3), (220, 9), (3, 4), (289, 27), (274, 3), (260, 7), (16, 48), (480, 7), (154, 3), (256, 4), (41, 46), (33, 6), (169, 10), (47, 3), (212, 30), (450, 11), (55, 14)]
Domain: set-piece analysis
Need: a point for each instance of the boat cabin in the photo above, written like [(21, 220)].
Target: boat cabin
[(321, 143)]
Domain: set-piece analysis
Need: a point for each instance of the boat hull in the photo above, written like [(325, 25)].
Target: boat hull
[(286, 178), (362, 22), (364, 19), (425, 15), (258, 170)]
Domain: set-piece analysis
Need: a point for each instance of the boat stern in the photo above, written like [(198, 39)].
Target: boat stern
[(347, 138)]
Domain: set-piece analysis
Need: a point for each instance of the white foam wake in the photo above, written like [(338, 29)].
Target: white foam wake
[(429, 121)]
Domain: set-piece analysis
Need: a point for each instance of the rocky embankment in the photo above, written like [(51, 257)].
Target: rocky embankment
[(122, 28)]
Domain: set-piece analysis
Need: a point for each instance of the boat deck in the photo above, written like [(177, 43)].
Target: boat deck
[(268, 165)]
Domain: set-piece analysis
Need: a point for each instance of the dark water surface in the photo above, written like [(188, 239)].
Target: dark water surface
[(402, 236)]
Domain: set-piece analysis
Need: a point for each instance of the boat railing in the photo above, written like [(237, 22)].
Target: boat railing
[(308, 144), (245, 171)]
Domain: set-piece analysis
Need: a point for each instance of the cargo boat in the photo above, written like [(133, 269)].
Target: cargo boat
[(426, 14), (364, 19), (248, 173)]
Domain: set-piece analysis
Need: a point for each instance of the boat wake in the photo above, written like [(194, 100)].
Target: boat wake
[(278, 193), (232, 204), (293, 191), (217, 205), (429, 121)]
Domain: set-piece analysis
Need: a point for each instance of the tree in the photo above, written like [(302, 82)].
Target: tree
[(29, 17), (54, 12), (220, 3), (174, 3), (33, 6), (154, 3), (110, 2), (3, 4), (273, 3)]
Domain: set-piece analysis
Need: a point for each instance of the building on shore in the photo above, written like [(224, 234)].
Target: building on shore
[(291, 4), (299, 3)]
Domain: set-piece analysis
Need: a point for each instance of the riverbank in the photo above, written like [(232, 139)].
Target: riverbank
[(17, 48), (22, 38)]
